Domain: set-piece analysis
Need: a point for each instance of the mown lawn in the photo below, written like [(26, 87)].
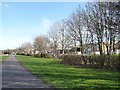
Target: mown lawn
[(62, 76), (2, 58)]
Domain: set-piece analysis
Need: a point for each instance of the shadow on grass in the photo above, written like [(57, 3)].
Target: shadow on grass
[(69, 77)]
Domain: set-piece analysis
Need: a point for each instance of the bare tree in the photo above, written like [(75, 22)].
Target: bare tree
[(58, 36), (54, 37), (26, 48), (65, 40), (71, 32), (94, 20), (41, 43), (102, 21), (112, 23), (76, 28)]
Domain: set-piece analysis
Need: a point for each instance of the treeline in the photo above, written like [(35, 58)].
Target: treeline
[(91, 24), (95, 23)]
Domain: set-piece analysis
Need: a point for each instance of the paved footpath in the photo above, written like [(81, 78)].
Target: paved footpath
[(16, 76)]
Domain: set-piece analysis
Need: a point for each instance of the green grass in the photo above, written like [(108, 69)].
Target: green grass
[(63, 76), (2, 58)]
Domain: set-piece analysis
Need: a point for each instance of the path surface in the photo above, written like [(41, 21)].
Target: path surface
[(16, 76)]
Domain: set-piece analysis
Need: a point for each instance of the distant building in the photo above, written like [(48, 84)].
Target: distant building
[(92, 48), (75, 50), (0, 52), (117, 51)]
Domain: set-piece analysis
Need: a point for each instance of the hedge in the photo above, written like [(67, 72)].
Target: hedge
[(94, 61)]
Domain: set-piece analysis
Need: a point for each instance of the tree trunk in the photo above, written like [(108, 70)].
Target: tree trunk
[(107, 47), (114, 44), (100, 48), (110, 50)]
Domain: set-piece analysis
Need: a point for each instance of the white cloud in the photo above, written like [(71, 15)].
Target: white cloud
[(46, 22), (45, 25)]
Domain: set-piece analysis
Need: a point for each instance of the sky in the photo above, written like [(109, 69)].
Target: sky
[(22, 21)]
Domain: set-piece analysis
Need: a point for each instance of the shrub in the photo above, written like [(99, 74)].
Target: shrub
[(45, 55), (21, 54), (17, 53), (94, 61), (72, 59), (37, 55), (28, 55), (115, 62), (100, 60), (85, 59), (107, 61)]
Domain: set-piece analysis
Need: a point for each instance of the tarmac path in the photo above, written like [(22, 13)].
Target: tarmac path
[(16, 76)]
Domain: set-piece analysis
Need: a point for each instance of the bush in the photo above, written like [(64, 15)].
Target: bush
[(21, 54), (17, 53), (92, 60), (107, 61), (37, 55), (115, 62), (48, 56), (28, 55), (85, 59), (45, 55), (72, 59), (99, 61)]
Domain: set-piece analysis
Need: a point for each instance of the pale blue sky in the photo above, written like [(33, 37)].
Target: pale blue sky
[(23, 21)]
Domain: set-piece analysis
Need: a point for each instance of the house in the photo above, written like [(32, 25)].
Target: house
[(117, 45), (94, 48), (74, 50), (91, 48), (88, 49), (0, 52)]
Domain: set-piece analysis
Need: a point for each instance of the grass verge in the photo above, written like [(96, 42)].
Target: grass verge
[(2, 58), (63, 76)]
